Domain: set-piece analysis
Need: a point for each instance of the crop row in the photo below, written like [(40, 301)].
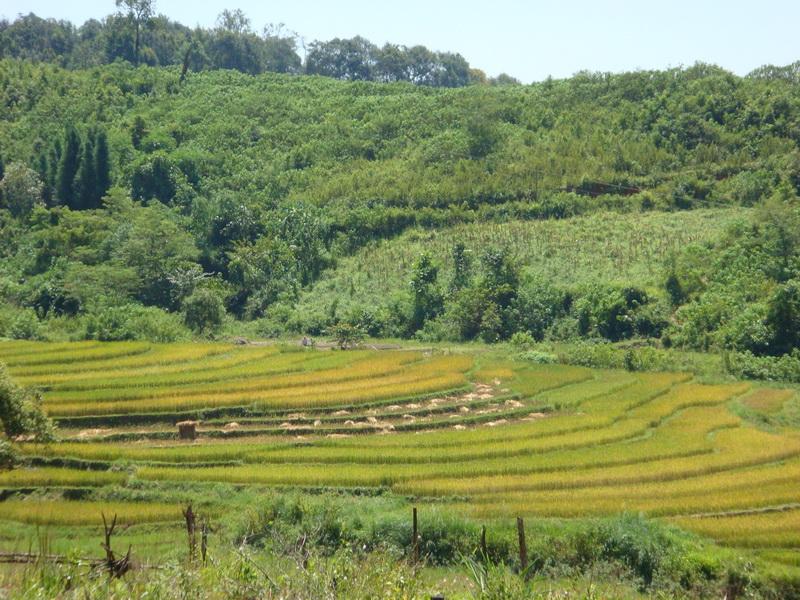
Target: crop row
[(11, 349), (162, 374), (54, 512), (764, 529), (374, 367), (416, 381), (19, 364), (602, 407), (156, 355)]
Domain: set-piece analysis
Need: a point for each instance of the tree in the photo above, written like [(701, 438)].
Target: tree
[(203, 311), (139, 12), (427, 299), (234, 21), (86, 180), (504, 79), (102, 166), (20, 189), (783, 317), (351, 59), (156, 177), (138, 131), (280, 52), (462, 266), (234, 45), (346, 335), (68, 168), (391, 64), (156, 248), (779, 215), (500, 276), (263, 271)]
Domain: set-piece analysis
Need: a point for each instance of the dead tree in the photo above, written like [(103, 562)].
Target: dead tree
[(117, 567)]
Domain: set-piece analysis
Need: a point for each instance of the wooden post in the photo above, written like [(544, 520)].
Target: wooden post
[(484, 551), (523, 549), (191, 528), (414, 536), (204, 540)]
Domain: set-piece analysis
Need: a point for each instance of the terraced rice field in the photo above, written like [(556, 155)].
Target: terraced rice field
[(494, 438)]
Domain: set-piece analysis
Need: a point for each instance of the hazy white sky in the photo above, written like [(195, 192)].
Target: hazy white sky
[(529, 40)]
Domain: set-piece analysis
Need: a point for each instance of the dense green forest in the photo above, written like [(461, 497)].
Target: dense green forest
[(160, 203)]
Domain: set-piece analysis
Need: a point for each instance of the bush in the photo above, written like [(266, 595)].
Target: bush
[(25, 326), (134, 322), (538, 357), (772, 368)]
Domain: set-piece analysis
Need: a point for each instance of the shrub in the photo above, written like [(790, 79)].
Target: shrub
[(523, 340), (8, 457), (21, 410)]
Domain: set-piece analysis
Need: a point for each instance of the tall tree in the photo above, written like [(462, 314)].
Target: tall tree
[(86, 181), (68, 168), (43, 168), (462, 265), (139, 12), (102, 166), (426, 297)]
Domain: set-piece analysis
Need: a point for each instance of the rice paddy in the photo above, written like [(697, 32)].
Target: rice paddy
[(491, 438)]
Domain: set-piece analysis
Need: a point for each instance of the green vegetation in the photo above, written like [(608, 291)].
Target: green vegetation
[(540, 211)]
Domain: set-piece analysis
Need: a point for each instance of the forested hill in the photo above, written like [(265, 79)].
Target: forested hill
[(245, 188)]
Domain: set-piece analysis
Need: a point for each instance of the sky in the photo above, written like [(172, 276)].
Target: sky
[(529, 40)]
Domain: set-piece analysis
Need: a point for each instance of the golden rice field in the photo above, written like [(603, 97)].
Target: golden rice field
[(494, 438)]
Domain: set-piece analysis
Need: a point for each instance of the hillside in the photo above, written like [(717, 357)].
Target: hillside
[(623, 249), (140, 206)]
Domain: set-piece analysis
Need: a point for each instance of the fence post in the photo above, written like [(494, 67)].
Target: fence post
[(204, 540), (414, 536), (191, 529), (484, 551), (523, 549)]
